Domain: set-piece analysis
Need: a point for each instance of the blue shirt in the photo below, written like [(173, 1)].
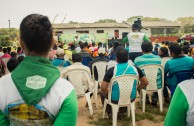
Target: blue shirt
[(175, 65), (147, 59), (60, 62)]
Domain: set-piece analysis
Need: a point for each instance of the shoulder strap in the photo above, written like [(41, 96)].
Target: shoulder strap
[(62, 63)]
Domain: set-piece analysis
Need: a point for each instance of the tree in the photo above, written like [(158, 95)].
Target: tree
[(187, 24), (73, 22), (133, 18), (8, 36), (106, 21)]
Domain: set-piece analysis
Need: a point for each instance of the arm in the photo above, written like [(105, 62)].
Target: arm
[(143, 80), (3, 120), (106, 80), (145, 38), (68, 113), (125, 40), (177, 111)]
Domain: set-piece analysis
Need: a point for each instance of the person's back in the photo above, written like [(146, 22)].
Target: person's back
[(86, 57), (180, 112), (34, 93), (60, 61), (179, 62), (76, 58)]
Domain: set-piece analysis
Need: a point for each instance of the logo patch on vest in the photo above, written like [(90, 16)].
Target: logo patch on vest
[(36, 82)]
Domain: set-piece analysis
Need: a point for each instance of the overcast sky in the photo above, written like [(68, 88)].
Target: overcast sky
[(93, 10)]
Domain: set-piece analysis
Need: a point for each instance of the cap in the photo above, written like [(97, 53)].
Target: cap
[(65, 47), (101, 50), (60, 51)]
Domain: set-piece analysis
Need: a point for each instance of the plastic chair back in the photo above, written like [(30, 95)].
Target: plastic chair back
[(75, 77), (151, 72), (164, 60), (101, 67), (125, 83)]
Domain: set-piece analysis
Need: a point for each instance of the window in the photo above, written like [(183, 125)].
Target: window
[(157, 31), (82, 32), (171, 30), (100, 31)]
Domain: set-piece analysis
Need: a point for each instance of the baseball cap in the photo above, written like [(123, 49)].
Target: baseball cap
[(60, 51), (101, 50), (65, 47)]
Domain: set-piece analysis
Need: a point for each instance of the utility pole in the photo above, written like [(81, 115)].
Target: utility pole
[(9, 26)]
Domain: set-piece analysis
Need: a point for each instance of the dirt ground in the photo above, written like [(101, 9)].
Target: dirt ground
[(84, 118)]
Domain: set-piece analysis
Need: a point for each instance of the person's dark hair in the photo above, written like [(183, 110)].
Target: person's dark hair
[(13, 54), (55, 47), (80, 42), (165, 52), (36, 33), (176, 49), (185, 49), (135, 26), (179, 40), (20, 58), (115, 45), (8, 50), (86, 44), (167, 43), (60, 46), (186, 44), (19, 49), (1, 48), (93, 43), (4, 50), (76, 57), (99, 44), (122, 55), (163, 42), (146, 47), (192, 41), (12, 64), (82, 46), (72, 47)]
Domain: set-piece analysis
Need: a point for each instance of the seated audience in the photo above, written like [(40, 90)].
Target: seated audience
[(86, 57), (122, 67)]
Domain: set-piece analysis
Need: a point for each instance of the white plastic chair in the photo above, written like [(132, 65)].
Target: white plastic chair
[(75, 77), (164, 60), (125, 83), (101, 67), (151, 72)]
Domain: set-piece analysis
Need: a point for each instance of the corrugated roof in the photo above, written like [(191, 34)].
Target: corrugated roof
[(116, 25), (91, 25)]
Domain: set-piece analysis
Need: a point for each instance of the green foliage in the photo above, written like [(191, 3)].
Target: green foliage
[(73, 22), (133, 18), (106, 21), (7, 37)]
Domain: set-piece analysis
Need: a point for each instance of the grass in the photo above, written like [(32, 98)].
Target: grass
[(152, 114)]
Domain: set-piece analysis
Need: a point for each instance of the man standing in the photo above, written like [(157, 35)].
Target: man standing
[(135, 40), (121, 68), (149, 58)]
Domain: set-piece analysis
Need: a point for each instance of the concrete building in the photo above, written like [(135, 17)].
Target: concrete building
[(118, 30)]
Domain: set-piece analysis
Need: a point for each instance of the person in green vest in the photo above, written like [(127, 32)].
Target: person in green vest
[(34, 94), (135, 40)]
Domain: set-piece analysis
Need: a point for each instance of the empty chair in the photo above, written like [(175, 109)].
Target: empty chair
[(125, 83), (75, 76), (151, 73), (101, 67)]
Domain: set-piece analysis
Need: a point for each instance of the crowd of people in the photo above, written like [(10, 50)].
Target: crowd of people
[(32, 76)]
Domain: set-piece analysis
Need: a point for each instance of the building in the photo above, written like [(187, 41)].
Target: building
[(118, 30)]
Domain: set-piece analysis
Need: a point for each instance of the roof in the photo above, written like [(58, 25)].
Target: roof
[(91, 25), (158, 24), (116, 25)]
